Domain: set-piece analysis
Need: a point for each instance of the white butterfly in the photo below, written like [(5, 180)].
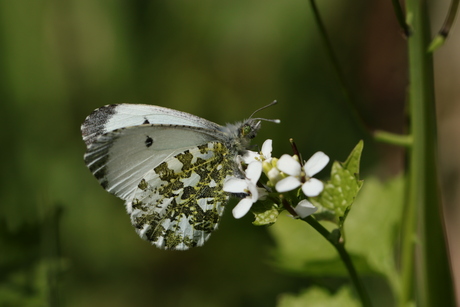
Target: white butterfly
[(169, 167)]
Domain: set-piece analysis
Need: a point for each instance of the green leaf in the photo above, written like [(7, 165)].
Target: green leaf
[(340, 191), (265, 212), (317, 297), (372, 229), (352, 162), (267, 217), (302, 251)]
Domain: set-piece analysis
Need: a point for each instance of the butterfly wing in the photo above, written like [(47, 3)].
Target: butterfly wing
[(116, 116), (168, 165), (179, 203), (119, 159)]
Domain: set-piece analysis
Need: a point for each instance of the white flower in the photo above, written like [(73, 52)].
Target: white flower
[(305, 208), (264, 155), (274, 175), (246, 186), (302, 176)]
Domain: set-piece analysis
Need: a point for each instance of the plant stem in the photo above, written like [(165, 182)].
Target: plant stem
[(350, 103), (423, 217), (392, 138), (346, 259)]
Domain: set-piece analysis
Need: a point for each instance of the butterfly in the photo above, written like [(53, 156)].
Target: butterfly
[(169, 167)]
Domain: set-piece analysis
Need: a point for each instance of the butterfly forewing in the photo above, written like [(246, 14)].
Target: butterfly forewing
[(179, 203), (116, 116), (119, 159)]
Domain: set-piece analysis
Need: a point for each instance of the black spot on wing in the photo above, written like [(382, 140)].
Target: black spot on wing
[(146, 121), (94, 124), (148, 141)]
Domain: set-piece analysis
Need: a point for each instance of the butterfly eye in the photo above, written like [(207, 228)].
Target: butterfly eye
[(246, 130)]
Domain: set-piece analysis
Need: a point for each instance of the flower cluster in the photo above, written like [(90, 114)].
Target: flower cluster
[(284, 174)]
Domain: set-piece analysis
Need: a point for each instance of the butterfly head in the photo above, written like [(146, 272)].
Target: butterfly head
[(242, 133), (248, 130)]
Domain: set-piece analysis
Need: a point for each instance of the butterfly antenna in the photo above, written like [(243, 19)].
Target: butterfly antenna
[(264, 107), (277, 121)]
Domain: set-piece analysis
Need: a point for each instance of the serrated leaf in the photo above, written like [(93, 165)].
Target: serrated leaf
[(265, 213), (267, 217), (339, 192), (353, 160), (341, 189)]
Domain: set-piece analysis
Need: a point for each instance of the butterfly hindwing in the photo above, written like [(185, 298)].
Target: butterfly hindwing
[(179, 203)]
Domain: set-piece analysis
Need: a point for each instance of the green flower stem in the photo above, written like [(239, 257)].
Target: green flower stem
[(287, 206), (423, 217), (340, 247), (392, 138)]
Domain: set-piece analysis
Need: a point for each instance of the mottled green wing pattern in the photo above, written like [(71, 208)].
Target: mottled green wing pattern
[(179, 203)]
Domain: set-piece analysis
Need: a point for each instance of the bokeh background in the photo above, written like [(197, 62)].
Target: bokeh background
[(64, 239)]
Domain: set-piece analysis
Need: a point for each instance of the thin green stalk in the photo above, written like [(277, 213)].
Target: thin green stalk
[(336, 66), (392, 138), (432, 280), (339, 246)]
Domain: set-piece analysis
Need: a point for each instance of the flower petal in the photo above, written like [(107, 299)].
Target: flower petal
[(287, 184), (289, 165), (253, 191), (267, 148), (235, 185), (242, 208), (312, 187), (262, 194), (316, 163), (305, 208), (249, 156), (254, 171)]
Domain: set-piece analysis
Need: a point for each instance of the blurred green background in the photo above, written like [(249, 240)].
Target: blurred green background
[(66, 241)]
